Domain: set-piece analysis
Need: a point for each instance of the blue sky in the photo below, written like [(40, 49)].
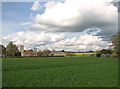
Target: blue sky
[(69, 18), (14, 13)]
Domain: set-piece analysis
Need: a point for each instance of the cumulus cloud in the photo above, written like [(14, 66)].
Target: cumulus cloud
[(32, 38), (76, 16), (84, 42), (35, 6), (26, 23), (57, 41)]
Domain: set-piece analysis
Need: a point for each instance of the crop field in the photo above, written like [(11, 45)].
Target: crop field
[(81, 54), (60, 72)]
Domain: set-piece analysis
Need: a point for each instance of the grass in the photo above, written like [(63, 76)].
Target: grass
[(60, 72)]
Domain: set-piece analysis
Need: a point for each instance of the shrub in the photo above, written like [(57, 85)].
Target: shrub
[(98, 54), (113, 55)]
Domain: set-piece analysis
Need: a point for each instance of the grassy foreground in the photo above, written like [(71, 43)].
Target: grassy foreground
[(60, 72)]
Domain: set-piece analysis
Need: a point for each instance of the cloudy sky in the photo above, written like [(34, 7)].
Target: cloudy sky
[(72, 25)]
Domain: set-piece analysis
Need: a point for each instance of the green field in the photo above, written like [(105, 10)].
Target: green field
[(60, 72)]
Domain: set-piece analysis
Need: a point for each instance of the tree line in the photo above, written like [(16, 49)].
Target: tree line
[(115, 47)]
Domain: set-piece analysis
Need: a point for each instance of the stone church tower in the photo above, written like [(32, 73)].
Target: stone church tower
[(22, 50)]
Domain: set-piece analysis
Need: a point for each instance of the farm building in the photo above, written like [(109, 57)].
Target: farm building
[(39, 53), (30, 53), (58, 54)]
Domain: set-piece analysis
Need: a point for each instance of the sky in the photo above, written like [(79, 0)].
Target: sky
[(71, 25)]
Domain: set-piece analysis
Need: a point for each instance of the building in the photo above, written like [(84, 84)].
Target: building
[(29, 53), (58, 54), (21, 49), (39, 53)]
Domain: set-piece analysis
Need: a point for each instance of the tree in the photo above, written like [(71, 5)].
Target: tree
[(46, 52), (3, 51), (106, 51), (116, 43), (18, 54), (11, 49)]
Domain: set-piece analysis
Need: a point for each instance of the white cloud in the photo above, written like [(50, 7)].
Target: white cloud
[(50, 5), (76, 16), (68, 13), (35, 6), (70, 16), (32, 39), (84, 42), (116, 0), (57, 41), (26, 23)]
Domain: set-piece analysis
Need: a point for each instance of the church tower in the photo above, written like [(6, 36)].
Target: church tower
[(22, 50)]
